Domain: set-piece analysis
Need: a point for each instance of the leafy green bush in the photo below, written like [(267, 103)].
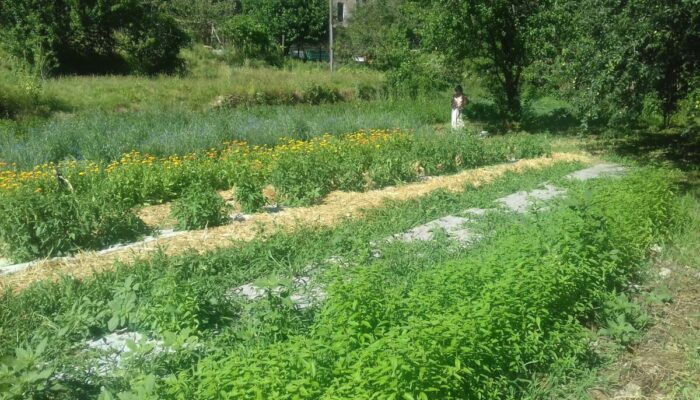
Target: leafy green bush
[(249, 181), (418, 74), (23, 376), (12, 102), (153, 44), (623, 320), (200, 207), (317, 94), (36, 224)]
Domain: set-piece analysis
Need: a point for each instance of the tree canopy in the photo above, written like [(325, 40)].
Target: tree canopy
[(88, 36)]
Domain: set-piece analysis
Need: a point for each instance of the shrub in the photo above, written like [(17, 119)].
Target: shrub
[(303, 180), (200, 207), (249, 180), (154, 46), (317, 94), (248, 39), (36, 224)]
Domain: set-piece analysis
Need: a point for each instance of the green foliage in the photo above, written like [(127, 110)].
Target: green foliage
[(39, 224), (290, 21), (249, 181), (494, 36), (388, 34), (194, 291), (317, 94), (14, 101), (200, 207), (90, 37), (612, 58), (248, 38), (419, 73), (153, 43), (307, 179), (203, 18), (623, 320), (311, 94), (506, 311), (26, 375), (106, 136)]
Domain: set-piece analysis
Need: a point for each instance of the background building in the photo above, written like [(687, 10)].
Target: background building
[(342, 10)]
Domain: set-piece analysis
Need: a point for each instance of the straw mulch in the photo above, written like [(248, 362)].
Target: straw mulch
[(336, 207)]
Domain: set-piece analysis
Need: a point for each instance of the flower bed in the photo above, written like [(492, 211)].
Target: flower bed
[(301, 172)]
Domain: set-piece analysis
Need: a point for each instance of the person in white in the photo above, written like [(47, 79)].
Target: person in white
[(459, 101)]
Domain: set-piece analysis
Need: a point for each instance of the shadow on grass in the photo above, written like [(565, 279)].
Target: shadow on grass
[(13, 108), (679, 147), (558, 120), (553, 119), (675, 147)]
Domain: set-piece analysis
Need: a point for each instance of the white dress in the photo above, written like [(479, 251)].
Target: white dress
[(457, 122)]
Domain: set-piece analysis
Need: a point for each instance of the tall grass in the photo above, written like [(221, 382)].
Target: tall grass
[(106, 136), (207, 79)]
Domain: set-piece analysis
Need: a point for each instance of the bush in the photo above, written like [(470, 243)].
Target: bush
[(154, 46), (36, 225), (200, 207), (12, 102), (418, 74), (249, 180), (317, 94)]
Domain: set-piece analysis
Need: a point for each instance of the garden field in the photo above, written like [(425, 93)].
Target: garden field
[(361, 200), (342, 312), (285, 233)]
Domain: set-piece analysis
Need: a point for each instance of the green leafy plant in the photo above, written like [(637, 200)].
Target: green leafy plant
[(27, 375), (623, 319), (37, 224), (249, 181), (200, 207)]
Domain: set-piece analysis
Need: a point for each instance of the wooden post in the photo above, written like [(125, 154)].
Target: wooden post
[(330, 32)]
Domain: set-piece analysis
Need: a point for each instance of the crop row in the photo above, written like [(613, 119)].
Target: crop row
[(425, 321), (56, 209), (183, 299), (476, 328)]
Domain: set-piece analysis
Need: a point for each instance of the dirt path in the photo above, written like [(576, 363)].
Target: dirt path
[(665, 365), (337, 206)]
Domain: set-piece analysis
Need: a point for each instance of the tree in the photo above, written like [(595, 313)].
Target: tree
[(247, 39), (91, 36), (383, 31), (290, 21), (613, 57), (203, 18), (388, 33), (494, 35)]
